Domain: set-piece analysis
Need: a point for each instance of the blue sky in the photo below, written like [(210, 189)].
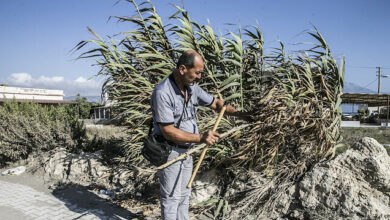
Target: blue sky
[(37, 36)]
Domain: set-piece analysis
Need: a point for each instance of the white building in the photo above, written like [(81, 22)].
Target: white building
[(48, 96)]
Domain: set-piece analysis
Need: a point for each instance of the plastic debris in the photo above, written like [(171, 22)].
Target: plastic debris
[(14, 171), (106, 192)]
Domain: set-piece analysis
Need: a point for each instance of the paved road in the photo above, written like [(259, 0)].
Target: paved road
[(20, 202)]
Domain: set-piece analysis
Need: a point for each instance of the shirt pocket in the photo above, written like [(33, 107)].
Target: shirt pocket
[(194, 106), (191, 110), (178, 109)]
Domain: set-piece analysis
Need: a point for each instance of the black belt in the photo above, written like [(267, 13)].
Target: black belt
[(182, 146), (160, 138)]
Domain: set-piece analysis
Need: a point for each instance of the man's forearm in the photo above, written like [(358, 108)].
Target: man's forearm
[(179, 136), (230, 110)]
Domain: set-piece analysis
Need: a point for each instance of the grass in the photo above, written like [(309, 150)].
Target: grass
[(352, 135), (111, 140), (107, 132)]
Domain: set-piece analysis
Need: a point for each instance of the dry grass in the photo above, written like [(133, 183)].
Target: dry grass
[(353, 135), (106, 132)]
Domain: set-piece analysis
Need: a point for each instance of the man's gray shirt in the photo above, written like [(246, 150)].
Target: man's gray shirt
[(168, 101)]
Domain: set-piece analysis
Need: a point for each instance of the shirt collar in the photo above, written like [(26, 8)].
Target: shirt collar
[(176, 88)]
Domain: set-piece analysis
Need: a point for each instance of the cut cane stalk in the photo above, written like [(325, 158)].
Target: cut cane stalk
[(205, 148)]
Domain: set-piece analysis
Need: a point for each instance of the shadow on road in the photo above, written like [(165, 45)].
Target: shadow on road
[(78, 199)]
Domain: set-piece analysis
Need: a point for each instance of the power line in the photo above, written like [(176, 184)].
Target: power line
[(367, 67), (370, 83), (361, 67)]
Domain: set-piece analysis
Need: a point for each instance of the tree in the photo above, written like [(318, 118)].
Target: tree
[(84, 107)]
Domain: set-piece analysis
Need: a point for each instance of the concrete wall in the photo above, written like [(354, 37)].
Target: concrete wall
[(30, 93), (384, 122), (350, 124)]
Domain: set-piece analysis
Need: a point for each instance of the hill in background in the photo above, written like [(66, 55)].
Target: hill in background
[(353, 88), (92, 99)]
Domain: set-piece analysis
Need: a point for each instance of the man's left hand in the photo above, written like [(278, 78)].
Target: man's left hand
[(247, 116)]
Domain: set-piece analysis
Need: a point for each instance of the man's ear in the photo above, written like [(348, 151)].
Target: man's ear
[(182, 69)]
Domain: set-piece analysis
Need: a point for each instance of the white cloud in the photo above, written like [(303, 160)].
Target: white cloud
[(20, 78), (71, 87), (55, 79), (81, 80)]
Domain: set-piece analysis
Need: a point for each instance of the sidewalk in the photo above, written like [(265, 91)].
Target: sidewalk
[(24, 197)]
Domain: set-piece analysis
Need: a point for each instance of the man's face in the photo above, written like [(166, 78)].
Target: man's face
[(191, 75)]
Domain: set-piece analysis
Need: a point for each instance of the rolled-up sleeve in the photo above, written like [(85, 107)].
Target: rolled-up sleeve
[(162, 108), (204, 99)]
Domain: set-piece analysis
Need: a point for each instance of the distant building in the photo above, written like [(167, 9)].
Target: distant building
[(103, 112), (43, 96), (380, 102)]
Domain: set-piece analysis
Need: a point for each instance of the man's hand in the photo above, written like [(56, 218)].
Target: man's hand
[(230, 110), (209, 137), (247, 116)]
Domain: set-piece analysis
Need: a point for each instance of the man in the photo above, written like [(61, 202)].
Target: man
[(174, 104)]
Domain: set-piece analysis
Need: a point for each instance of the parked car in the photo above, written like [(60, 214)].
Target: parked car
[(346, 116)]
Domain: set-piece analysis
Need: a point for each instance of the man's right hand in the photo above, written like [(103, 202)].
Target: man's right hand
[(209, 137)]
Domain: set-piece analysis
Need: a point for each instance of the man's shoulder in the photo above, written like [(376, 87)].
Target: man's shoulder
[(163, 89), (163, 86), (196, 89)]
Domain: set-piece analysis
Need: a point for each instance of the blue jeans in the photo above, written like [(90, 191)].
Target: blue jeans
[(174, 195)]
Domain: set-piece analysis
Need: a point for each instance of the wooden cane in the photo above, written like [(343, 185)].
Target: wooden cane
[(205, 148), (188, 153)]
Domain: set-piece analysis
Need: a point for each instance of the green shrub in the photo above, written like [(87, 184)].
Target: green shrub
[(84, 107), (28, 127)]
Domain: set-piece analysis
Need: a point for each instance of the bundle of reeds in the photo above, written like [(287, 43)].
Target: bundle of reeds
[(294, 98), (297, 120), (296, 125)]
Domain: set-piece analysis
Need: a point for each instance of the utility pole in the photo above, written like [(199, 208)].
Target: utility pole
[(379, 80), (379, 86), (379, 83)]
